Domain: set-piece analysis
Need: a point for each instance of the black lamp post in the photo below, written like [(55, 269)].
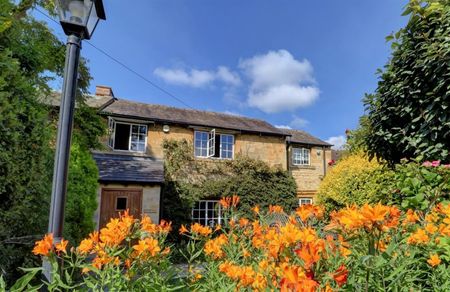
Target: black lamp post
[(78, 19)]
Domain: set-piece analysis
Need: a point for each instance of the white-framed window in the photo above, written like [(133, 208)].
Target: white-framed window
[(127, 136), (226, 146), (210, 144), (207, 212), (201, 142), (305, 201), (300, 156)]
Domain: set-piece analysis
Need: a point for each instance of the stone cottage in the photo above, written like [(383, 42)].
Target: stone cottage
[(131, 170)]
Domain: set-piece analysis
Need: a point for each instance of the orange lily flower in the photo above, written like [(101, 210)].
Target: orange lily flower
[(62, 246), (44, 246), (434, 260)]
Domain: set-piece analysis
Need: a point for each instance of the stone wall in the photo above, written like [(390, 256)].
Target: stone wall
[(269, 149), (156, 137), (309, 177)]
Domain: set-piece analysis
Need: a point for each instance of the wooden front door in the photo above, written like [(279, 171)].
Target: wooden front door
[(115, 201)]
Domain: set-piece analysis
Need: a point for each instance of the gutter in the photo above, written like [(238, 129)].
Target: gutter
[(280, 134)]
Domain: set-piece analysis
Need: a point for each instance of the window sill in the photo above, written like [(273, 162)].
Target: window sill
[(212, 158), (303, 167), (129, 152)]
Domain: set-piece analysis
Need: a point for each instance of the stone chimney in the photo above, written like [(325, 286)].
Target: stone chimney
[(101, 90)]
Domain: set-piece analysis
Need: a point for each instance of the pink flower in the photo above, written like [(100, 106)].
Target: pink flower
[(427, 164), (436, 163), (446, 165)]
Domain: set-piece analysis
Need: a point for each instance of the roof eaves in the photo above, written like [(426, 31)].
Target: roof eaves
[(274, 133), (310, 143)]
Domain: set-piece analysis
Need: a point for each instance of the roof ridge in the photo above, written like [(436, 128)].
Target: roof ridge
[(195, 110)]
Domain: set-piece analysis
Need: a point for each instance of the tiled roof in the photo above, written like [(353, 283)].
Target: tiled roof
[(114, 167), (190, 117), (302, 137), (95, 101)]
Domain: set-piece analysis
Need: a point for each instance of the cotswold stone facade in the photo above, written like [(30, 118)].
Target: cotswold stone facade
[(131, 170), (269, 149), (309, 171), (308, 177)]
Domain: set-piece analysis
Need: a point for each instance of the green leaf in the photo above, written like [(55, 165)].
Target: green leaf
[(22, 282)]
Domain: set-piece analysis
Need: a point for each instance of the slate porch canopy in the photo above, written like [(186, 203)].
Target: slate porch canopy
[(126, 168)]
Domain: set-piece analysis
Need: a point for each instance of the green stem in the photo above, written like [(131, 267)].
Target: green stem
[(367, 280), (371, 252)]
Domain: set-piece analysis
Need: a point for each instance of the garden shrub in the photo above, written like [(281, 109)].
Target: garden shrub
[(189, 180), (421, 186), (355, 180), (81, 200)]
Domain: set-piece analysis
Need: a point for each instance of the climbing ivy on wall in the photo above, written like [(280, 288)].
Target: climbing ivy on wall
[(189, 179)]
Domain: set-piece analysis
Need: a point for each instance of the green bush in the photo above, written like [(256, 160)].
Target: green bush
[(24, 167), (81, 194), (421, 186), (355, 180), (189, 180)]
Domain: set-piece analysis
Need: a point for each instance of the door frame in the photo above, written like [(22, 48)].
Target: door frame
[(102, 194)]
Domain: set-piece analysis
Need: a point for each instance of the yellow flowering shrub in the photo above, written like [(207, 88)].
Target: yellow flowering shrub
[(354, 180)]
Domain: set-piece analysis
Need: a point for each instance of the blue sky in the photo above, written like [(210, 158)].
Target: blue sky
[(301, 64)]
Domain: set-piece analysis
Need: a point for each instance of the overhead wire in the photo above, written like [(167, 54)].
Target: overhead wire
[(123, 65)]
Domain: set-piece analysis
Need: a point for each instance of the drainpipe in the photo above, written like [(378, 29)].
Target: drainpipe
[(324, 161), (288, 161)]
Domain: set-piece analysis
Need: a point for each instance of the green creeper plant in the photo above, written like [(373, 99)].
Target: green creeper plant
[(189, 180)]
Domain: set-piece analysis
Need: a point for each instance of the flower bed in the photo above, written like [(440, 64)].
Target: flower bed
[(373, 247)]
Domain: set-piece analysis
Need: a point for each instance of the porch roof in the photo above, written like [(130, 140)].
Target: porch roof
[(118, 167), (301, 137)]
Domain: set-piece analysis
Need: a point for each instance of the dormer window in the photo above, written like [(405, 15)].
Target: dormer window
[(213, 145), (127, 136)]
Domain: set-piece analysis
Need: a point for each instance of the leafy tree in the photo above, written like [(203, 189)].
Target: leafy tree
[(356, 139), (30, 56), (24, 164), (409, 111), (24, 136)]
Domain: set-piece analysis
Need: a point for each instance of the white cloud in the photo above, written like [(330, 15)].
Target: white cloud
[(279, 82), (232, 113), (198, 78), (337, 141), (283, 127), (298, 122), (227, 76)]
